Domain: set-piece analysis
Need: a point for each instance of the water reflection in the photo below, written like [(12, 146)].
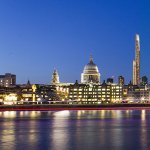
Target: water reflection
[(144, 134), (63, 130), (8, 114), (60, 133)]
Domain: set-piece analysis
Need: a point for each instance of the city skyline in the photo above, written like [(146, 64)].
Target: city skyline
[(62, 35), (136, 80)]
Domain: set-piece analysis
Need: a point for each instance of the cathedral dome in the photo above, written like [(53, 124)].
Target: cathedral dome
[(90, 73), (91, 67)]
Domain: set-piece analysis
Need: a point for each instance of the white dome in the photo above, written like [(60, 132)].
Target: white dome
[(90, 73), (91, 68)]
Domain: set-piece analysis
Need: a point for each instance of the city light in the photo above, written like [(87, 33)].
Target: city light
[(10, 99)]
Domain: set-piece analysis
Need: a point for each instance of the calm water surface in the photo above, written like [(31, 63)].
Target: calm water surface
[(75, 130)]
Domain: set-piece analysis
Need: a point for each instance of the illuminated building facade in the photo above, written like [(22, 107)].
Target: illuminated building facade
[(29, 93), (136, 93), (7, 80), (90, 73), (95, 93), (136, 62), (38, 93)]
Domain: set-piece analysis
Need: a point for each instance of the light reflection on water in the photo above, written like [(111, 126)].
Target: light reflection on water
[(75, 130)]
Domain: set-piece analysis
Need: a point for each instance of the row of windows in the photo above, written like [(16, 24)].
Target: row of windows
[(84, 93), (89, 96), (90, 89), (98, 90)]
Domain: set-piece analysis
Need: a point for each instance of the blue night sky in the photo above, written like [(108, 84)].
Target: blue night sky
[(37, 36)]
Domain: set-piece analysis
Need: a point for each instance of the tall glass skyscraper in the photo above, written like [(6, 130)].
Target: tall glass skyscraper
[(136, 62)]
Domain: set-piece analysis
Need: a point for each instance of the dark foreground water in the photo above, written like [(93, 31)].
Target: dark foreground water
[(75, 130)]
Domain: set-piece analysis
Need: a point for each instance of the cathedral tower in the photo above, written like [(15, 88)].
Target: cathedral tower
[(55, 77)]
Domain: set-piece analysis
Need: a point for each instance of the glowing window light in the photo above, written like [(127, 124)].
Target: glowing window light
[(10, 99)]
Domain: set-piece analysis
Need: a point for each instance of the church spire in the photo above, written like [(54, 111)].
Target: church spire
[(91, 59)]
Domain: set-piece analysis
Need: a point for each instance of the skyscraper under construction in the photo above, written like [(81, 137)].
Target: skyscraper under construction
[(136, 62)]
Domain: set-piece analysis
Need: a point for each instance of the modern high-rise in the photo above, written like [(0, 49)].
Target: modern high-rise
[(136, 62)]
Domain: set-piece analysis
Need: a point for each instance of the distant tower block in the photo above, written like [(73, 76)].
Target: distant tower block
[(136, 62), (121, 80), (55, 77), (144, 80)]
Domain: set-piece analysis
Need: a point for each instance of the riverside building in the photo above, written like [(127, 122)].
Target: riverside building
[(136, 93), (95, 93)]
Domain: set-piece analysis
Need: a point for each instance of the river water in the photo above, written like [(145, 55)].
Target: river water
[(75, 130)]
